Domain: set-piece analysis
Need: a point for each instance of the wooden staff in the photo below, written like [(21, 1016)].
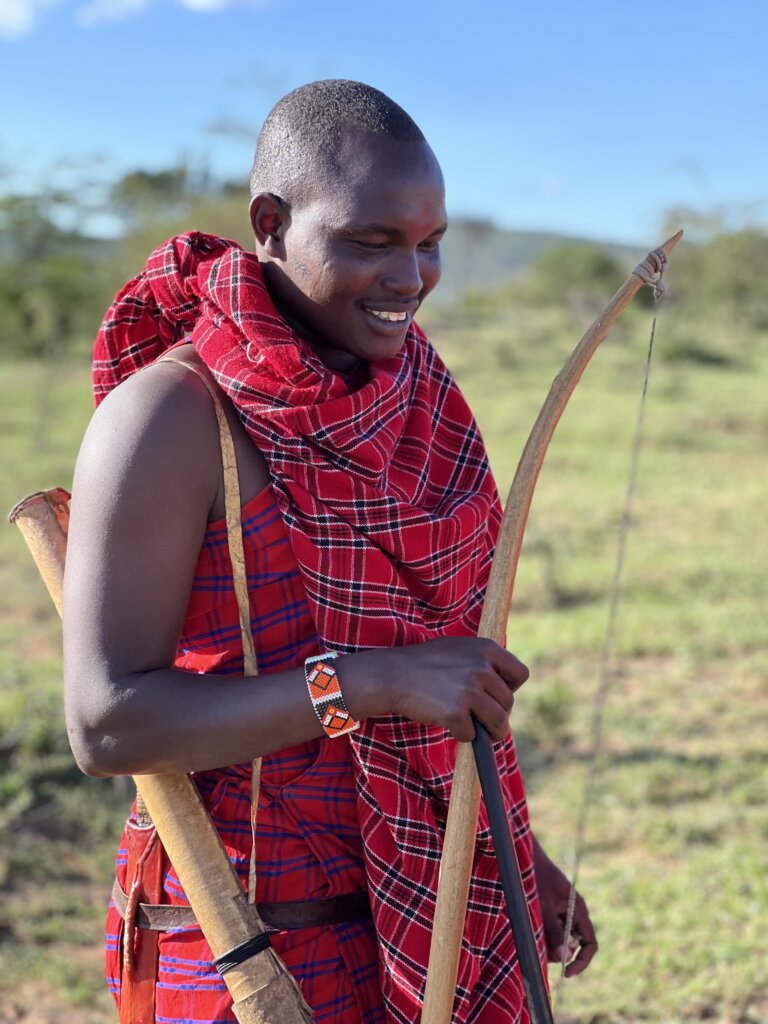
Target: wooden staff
[(461, 825), (262, 990)]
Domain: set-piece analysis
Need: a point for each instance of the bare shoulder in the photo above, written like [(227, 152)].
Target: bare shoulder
[(157, 429), (156, 437), (145, 482)]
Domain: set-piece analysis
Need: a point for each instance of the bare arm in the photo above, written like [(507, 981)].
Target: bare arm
[(147, 478)]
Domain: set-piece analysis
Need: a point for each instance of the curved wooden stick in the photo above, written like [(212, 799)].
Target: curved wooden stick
[(262, 990), (461, 825)]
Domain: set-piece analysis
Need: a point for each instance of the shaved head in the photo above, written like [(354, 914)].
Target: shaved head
[(301, 143)]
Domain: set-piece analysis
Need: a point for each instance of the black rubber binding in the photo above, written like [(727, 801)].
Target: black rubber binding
[(238, 955)]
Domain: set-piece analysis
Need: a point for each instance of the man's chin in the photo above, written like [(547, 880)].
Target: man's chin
[(368, 343)]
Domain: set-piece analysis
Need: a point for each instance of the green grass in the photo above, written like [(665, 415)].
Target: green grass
[(58, 830), (675, 868)]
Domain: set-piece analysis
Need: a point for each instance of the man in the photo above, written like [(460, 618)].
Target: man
[(369, 518)]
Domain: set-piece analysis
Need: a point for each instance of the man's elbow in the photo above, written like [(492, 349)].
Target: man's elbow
[(97, 753), (98, 736)]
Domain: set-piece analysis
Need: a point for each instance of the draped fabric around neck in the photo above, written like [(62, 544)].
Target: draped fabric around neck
[(392, 514)]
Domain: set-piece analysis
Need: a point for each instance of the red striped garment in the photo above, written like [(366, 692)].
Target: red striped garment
[(392, 515), (308, 835)]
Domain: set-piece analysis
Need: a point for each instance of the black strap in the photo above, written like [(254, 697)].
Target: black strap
[(239, 954)]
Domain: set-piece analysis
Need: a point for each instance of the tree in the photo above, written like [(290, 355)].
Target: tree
[(50, 280)]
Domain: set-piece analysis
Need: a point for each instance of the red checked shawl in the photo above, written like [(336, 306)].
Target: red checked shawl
[(392, 514)]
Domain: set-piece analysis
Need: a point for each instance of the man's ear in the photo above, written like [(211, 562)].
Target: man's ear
[(270, 219)]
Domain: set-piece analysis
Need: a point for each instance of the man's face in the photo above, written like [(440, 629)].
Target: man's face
[(362, 254)]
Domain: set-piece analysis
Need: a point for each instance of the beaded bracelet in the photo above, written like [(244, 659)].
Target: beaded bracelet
[(325, 694)]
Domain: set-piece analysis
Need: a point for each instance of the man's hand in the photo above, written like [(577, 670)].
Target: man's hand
[(554, 889), (438, 682)]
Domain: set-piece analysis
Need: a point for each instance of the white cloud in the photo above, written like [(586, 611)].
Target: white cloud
[(17, 17), (108, 10), (211, 6)]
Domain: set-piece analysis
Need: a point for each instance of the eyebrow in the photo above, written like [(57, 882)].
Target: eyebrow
[(389, 232)]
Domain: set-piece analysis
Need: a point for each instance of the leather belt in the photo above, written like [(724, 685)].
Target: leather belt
[(288, 916)]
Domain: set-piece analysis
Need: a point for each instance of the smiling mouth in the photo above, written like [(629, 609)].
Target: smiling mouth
[(385, 314)]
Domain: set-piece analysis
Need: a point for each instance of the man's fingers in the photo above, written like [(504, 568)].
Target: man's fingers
[(573, 947), (582, 959), (493, 701), (493, 715), (584, 936), (500, 691), (511, 669), (582, 923)]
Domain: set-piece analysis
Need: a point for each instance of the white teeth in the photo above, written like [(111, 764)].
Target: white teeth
[(383, 314)]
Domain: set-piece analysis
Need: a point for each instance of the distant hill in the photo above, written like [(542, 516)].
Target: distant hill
[(480, 255), (477, 254)]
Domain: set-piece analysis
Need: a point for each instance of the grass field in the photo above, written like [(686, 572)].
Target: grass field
[(675, 867)]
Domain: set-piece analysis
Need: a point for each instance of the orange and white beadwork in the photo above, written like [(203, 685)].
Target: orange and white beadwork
[(325, 694)]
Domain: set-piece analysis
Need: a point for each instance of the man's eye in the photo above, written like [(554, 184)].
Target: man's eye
[(372, 246), (430, 246)]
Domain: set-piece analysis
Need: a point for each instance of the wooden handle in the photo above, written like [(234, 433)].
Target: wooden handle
[(43, 519), (452, 890), (461, 824), (262, 990)]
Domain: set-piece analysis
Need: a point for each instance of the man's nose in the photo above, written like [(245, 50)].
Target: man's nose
[(403, 273)]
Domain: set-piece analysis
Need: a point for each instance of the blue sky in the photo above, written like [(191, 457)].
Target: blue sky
[(587, 118)]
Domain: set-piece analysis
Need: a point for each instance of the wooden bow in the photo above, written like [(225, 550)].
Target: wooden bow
[(461, 825)]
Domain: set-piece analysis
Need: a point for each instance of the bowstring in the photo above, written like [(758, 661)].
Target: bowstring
[(605, 671)]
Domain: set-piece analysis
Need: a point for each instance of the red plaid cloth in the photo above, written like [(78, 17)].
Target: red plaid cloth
[(392, 514), (308, 844)]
